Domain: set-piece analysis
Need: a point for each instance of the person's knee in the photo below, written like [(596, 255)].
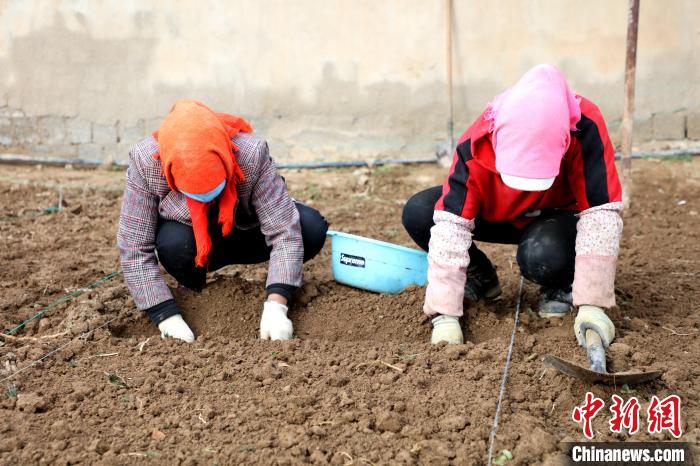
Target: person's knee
[(417, 215), (409, 219), (175, 245), (546, 260), (313, 230)]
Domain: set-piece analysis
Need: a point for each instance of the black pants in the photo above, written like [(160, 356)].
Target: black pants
[(546, 247), (176, 248)]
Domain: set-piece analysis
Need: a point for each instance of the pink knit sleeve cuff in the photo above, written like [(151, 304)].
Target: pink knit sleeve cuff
[(599, 230), (594, 281), (448, 258), (445, 290)]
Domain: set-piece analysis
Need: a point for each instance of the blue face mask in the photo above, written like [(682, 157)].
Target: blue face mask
[(207, 197)]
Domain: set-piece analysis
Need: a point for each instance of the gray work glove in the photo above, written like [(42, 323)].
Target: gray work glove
[(446, 328), (176, 327), (594, 318), (274, 323)]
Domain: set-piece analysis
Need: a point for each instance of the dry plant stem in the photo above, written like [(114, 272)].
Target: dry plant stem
[(103, 355), (43, 337), (142, 344), (378, 362), (396, 368), (350, 458), (674, 332)]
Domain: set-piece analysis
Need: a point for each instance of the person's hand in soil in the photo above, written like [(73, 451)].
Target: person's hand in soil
[(176, 327), (274, 323), (446, 328), (594, 318)]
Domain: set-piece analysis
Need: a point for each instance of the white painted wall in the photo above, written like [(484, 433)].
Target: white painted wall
[(333, 79)]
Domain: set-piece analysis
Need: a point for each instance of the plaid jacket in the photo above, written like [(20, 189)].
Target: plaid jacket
[(148, 198)]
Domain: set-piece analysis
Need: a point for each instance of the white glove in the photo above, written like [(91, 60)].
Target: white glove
[(274, 324), (176, 327), (446, 328), (594, 318)]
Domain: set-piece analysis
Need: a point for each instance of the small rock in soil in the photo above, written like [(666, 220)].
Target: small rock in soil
[(454, 352), (534, 443), (389, 422), (9, 444), (30, 403), (295, 416), (453, 423), (99, 446), (480, 354), (620, 349), (337, 381), (318, 431), (641, 357)]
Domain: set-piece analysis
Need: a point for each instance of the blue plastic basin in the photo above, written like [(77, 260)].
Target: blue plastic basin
[(376, 265)]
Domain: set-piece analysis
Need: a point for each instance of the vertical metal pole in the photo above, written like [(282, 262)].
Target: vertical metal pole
[(628, 112), (448, 47)]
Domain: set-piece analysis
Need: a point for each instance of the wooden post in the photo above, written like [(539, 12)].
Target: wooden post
[(448, 47), (628, 112)]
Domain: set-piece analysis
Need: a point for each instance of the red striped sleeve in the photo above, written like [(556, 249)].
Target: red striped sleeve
[(590, 163), (456, 197)]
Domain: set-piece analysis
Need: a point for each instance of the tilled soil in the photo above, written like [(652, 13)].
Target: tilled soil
[(359, 384)]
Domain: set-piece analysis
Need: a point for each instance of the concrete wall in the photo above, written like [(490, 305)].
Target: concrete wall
[(323, 80)]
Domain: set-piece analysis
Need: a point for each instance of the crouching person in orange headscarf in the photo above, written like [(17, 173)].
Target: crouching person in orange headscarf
[(202, 193)]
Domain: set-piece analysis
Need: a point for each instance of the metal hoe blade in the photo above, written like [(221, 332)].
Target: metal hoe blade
[(598, 372)]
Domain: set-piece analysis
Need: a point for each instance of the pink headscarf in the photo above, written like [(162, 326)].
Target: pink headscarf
[(531, 122)]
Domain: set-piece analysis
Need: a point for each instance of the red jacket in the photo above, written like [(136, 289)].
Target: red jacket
[(587, 177)]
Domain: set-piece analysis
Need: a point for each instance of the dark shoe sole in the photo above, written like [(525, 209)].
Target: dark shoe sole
[(490, 295), (493, 292), (550, 314)]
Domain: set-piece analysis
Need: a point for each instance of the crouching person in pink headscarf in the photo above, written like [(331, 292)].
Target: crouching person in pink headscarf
[(536, 169)]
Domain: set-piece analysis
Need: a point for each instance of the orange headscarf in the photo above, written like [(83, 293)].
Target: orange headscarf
[(197, 155)]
